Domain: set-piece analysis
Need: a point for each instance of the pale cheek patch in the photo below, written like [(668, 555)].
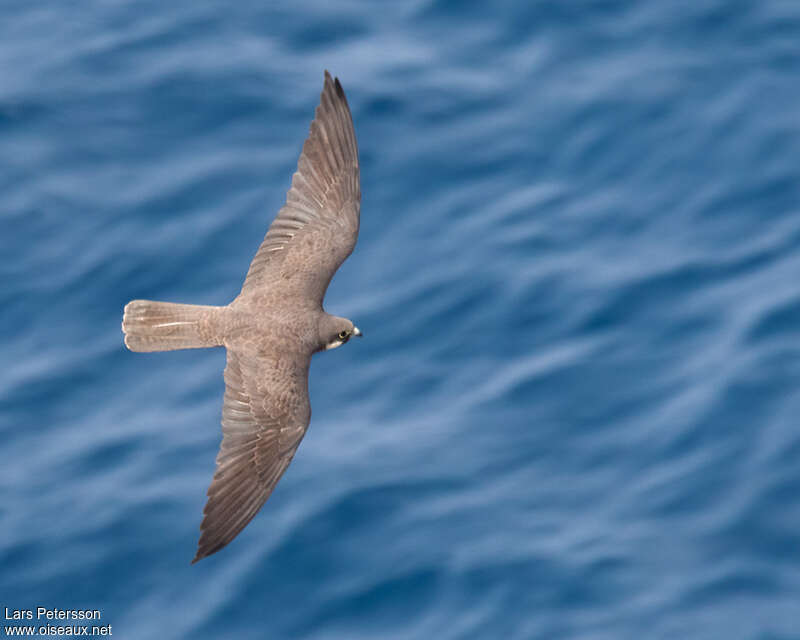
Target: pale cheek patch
[(333, 345)]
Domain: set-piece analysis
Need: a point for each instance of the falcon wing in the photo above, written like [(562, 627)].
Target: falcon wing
[(264, 416), (317, 228)]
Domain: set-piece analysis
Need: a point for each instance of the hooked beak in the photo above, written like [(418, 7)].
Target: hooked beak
[(357, 332)]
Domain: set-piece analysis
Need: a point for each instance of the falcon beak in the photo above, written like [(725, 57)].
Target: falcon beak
[(357, 332)]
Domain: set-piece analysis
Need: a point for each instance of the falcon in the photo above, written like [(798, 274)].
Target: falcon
[(273, 327)]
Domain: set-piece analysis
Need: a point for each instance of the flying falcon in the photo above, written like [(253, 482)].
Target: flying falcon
[(274, 325)]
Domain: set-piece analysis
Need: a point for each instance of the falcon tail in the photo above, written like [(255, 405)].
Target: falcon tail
[(165, 326)]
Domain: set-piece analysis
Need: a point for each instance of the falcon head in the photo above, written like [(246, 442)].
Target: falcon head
[(335, 331)]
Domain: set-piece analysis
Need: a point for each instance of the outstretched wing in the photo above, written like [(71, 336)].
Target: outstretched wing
[(264, 416), (317, 228)]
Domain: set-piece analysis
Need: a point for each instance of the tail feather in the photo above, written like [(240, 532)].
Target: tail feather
[(165, 326)]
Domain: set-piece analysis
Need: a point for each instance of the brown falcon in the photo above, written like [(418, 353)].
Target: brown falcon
[(274, 325)]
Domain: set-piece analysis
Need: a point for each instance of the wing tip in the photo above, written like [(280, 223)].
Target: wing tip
[(199, 554), (336, 86), (203, 551)]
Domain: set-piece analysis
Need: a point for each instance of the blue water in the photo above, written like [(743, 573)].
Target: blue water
[(576, 410)]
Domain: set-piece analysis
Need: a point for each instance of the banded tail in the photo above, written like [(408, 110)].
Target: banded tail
[(165, 326)]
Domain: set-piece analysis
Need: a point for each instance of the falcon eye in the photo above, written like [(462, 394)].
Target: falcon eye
[(343, 335)]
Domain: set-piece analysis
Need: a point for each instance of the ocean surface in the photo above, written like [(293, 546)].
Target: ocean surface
[(576, 409)]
